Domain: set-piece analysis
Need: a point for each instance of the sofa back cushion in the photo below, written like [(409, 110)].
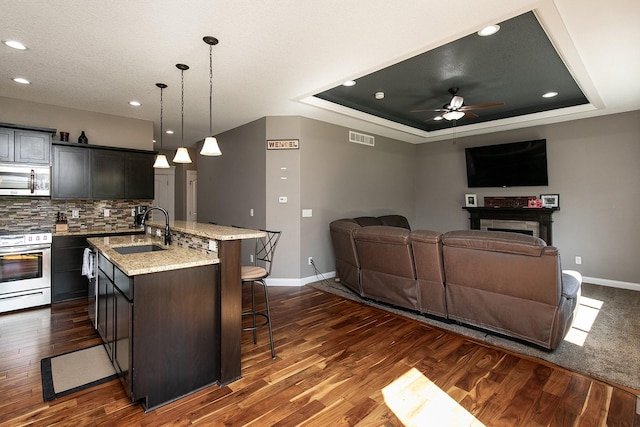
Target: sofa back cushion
[(426, 247), (395, 221), (385, 249), (504, 263), (387, 272)]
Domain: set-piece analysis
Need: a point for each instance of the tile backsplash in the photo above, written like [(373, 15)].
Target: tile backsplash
[(39, 213)]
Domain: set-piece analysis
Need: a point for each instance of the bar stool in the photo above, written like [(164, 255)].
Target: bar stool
[(252, 274)]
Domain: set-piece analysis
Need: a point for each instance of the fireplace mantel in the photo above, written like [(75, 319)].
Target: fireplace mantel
[(540, 215)]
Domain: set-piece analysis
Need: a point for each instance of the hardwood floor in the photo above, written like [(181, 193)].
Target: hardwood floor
[(338, 363)]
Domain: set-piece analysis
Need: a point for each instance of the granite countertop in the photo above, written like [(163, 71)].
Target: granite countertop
[(172, 258), (209, 231), (98, 231)]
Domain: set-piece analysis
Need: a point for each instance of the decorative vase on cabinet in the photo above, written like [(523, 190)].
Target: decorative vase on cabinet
[(82, 139)]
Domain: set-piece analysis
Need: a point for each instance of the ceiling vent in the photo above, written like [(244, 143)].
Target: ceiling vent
[(361, 138)]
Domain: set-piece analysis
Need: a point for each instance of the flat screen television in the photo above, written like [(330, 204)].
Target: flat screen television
[(517, 164)]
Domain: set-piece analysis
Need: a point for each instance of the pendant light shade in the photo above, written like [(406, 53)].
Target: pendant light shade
[(210, 146), (161, 160), (182, 155)]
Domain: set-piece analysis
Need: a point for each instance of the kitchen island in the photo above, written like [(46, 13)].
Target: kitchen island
[(171, 315)]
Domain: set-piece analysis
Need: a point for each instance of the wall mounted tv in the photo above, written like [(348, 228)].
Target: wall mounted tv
[(517, 164)]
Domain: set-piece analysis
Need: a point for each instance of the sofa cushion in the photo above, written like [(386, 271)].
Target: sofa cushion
[(395, 221), (496, 241), (367, 221)]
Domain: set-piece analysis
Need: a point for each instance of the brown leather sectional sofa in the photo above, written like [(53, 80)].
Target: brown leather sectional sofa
[(507, 283)]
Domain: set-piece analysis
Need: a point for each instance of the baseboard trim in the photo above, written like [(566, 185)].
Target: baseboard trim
[(612, 283), (275, 281)]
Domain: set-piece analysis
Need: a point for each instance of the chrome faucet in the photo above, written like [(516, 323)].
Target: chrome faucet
[(167, 235)]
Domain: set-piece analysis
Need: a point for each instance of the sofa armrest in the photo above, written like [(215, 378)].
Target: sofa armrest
[(571, 282)]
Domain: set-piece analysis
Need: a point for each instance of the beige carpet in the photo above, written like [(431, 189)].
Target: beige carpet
[(604, 342), (77, 370)]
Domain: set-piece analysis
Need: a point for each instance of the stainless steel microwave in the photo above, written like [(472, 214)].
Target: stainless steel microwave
[(25, 180)]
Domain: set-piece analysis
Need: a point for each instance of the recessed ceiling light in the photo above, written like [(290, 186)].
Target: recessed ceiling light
[(154, 141), (349, 83), (489, 30), (15, 44), (379, 95), (134, 103), (550, 94), (169, 131), (21, 80)]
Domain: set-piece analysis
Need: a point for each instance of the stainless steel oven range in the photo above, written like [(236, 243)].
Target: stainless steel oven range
[(25, 270)]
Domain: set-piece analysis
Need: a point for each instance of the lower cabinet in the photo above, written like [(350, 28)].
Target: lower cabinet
[(67, 281), (160, 330)]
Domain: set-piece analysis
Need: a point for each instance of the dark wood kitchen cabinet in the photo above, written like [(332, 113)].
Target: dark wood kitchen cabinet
[(107, 173), (139, 176), (67, 254), (101, 173), (71, 173), (151, 324), (25, 146), (67, 281)]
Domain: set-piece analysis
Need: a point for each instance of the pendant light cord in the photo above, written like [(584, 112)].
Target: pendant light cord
[(182, 111), (211, 90), (161, 90)]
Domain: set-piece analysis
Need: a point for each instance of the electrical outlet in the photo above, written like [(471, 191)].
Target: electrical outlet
[(158, 232), (250, 212), (133, 212), (75, 213), (213, 245), (578, 260), (251, 258), (310, 261), (106, 213)]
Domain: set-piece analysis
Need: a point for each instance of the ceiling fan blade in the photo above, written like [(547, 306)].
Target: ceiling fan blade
[(481, 106), (470, 115), (428, 109), (456, 102)]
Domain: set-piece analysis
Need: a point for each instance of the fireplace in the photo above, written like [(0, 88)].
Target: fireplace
[(533, 221)]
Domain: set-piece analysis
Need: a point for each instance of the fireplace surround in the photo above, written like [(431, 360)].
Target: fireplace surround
[(520, 219)]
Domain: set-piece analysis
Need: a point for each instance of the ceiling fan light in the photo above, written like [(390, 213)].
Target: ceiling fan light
[(182, 156), (437, 118), (161, 162), (210, 147), (453, 115), (456, 102)]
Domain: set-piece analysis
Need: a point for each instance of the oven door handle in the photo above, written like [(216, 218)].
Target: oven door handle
[(23, 249)]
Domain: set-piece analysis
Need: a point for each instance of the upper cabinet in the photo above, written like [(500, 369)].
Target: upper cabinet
[(93, 172), (25, 146)]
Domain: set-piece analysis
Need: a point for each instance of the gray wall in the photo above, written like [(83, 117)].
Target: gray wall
[(101, 129), (229, 186), (341, 179), (594, 165)]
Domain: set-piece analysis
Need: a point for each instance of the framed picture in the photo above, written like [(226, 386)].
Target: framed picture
[(470, 201), (550, 200)]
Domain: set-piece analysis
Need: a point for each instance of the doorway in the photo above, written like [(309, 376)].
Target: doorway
[(192, 195), (165, 189)]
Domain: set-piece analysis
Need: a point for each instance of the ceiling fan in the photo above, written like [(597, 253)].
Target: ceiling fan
[(455, 109)]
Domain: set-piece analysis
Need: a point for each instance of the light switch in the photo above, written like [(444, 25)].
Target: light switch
[(282, 199), (106, 213), (307, 213)]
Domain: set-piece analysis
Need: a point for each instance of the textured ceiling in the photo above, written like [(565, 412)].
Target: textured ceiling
[(274, 56)]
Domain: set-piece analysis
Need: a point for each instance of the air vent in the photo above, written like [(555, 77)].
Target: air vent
[(361, 138)]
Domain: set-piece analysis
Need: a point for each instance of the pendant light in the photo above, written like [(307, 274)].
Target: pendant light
[(182, 155), (161, 160), (210, 146)]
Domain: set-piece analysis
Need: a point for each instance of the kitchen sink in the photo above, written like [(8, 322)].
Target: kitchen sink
[(124, 250)]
